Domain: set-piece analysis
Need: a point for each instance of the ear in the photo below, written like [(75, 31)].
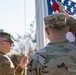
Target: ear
[(47, 31)]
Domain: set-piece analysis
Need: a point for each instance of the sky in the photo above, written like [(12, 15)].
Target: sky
[(15, 14)]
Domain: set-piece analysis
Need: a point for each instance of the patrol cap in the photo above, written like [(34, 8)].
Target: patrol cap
[(6, 36), (55, 20)]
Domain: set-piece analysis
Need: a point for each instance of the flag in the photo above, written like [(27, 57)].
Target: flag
[(69, 5)]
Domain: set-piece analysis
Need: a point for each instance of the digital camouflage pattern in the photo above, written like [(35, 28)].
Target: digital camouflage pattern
[(71, 22), (55, 20), (6, 36), (6, 66), (19, 71), (57, 58)]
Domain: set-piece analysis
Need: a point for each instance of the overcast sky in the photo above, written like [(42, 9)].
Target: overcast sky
[(12, 15)]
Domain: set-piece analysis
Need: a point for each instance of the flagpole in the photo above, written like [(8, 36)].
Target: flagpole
[(41, 12), (25, 23)]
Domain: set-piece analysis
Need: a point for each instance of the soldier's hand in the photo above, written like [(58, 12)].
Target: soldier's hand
[(61, 7), (23, 62)]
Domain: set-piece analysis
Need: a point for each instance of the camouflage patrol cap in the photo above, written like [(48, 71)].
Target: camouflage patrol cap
[(55, 20), (6, 36)]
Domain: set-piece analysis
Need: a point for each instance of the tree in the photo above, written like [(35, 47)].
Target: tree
[(25, 42)]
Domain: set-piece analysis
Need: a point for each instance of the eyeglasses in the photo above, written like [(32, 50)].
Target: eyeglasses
[(11, 44)]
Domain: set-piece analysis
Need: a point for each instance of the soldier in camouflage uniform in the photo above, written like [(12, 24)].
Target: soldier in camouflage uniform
[(6, 65), (59, 56)]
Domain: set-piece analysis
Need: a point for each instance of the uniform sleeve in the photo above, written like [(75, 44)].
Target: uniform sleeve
[(71, 21), (19, 70), (5, 67), (34, 67)]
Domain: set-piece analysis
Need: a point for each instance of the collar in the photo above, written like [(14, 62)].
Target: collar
[(59, 41)]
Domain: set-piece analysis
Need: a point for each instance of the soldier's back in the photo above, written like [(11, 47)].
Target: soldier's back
[(55, 59)]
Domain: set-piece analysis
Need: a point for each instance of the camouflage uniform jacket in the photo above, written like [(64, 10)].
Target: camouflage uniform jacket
[(7, 67), (58, 58)]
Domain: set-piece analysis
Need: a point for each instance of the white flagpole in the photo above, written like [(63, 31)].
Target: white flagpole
[(41, 12)]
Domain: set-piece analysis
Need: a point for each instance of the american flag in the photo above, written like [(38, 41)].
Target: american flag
[(69, 5)]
